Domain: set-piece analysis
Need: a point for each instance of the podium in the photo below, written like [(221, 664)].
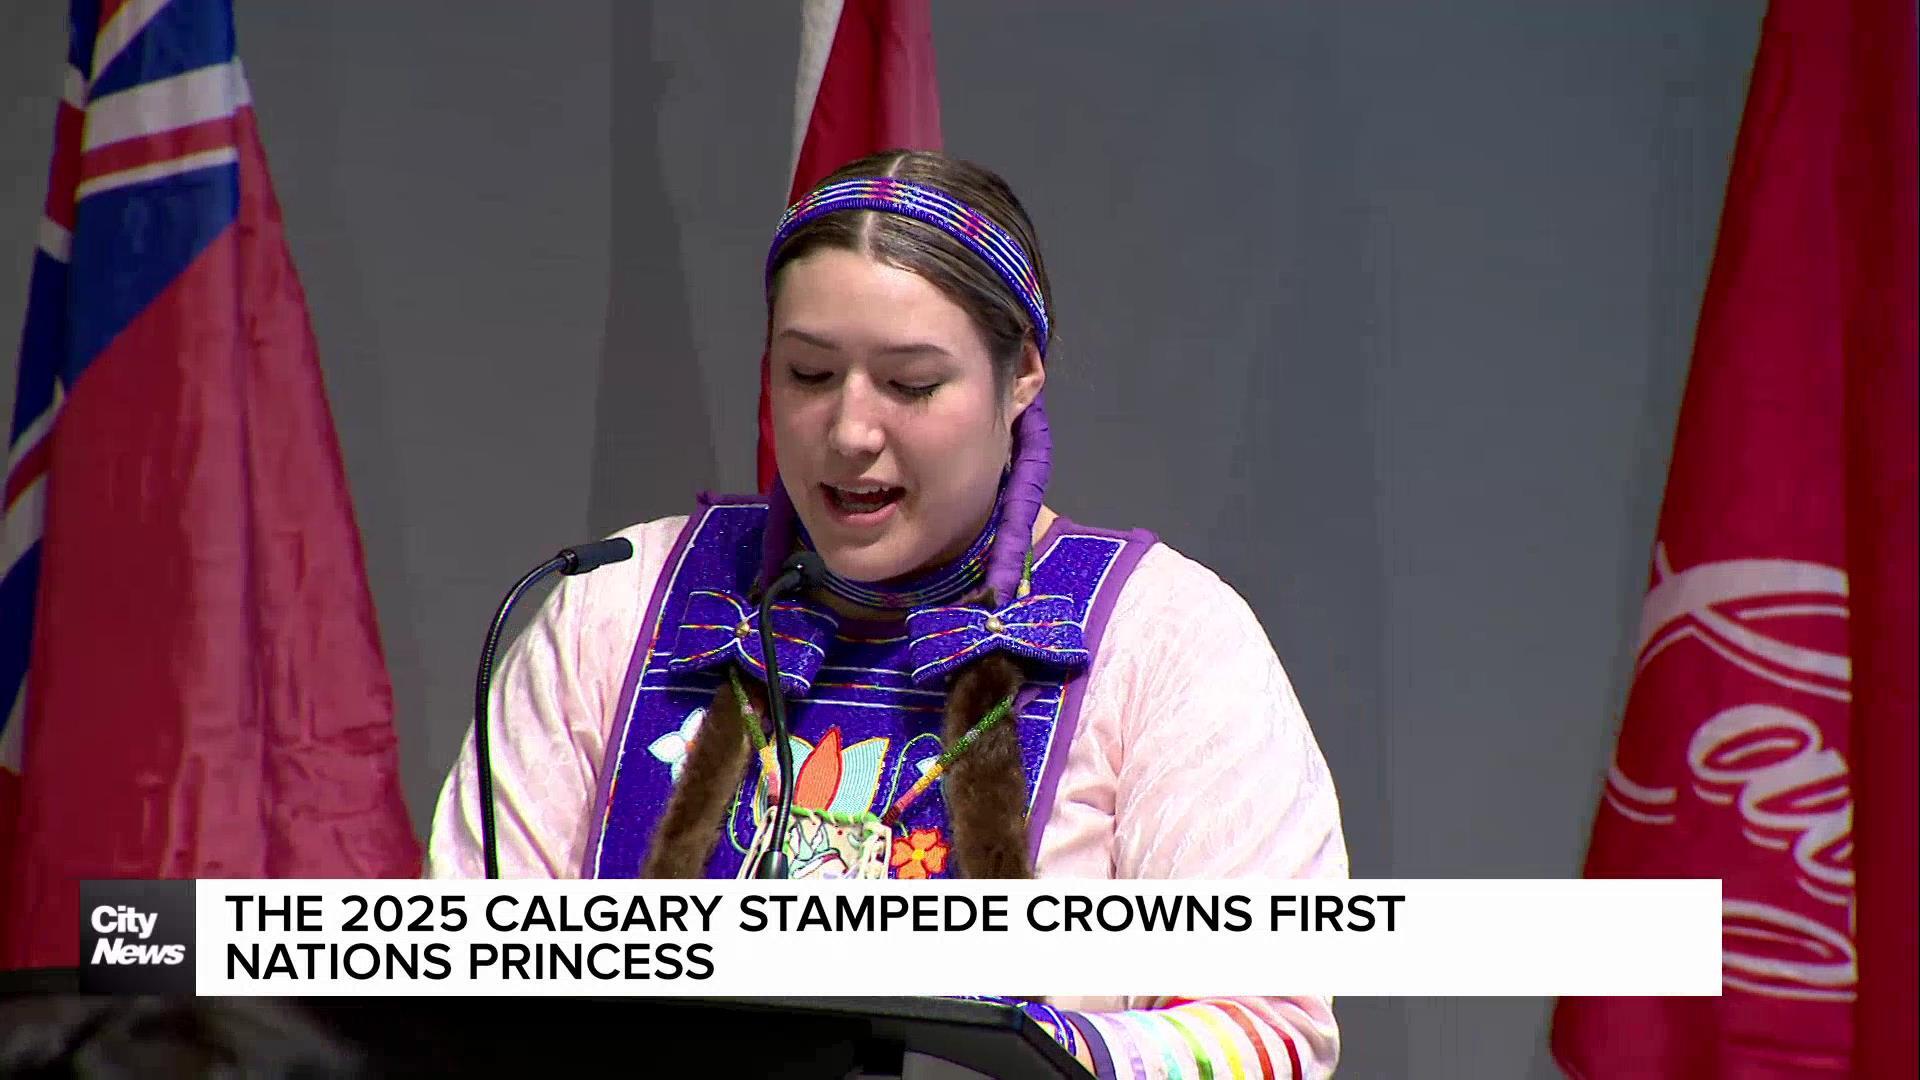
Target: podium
[(789, 1038)]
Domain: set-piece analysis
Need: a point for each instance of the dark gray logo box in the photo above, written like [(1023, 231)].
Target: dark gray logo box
[(112, 915)]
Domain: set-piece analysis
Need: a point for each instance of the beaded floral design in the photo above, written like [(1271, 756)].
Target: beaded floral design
[(919, 854)]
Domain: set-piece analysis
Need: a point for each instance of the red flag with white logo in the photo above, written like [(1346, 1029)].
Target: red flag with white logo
[(1769, 734)]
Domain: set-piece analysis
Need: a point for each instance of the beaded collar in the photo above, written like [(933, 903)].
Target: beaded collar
[(941, 585)]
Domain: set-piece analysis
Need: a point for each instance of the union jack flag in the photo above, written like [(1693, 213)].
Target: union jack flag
[(185, 630), (137, 127)]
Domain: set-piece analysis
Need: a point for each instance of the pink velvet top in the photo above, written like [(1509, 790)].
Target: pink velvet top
[(1192, 760)]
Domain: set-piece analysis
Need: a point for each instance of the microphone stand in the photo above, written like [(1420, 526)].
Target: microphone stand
[(573, 560), (803, 569)]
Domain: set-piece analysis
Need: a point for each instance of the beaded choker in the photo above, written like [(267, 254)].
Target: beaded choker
[(942, 585)]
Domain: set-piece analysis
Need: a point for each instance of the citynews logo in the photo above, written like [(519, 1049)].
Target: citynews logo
[(118, 950), (136, 937)]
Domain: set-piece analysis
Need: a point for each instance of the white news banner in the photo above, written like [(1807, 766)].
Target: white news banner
[(891, 938)]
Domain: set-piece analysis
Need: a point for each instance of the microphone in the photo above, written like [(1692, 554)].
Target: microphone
[(573, 560), (593, 556), (802, 570)]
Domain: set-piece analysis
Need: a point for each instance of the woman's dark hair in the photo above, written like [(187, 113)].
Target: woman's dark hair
[(985, 789)]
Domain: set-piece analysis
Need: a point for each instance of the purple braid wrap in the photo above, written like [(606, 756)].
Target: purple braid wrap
[(1026, 488), (1007, 561)]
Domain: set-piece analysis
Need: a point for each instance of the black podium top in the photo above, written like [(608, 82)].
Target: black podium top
[(771, 1037)]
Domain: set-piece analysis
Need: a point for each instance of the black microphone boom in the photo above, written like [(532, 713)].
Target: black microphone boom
[(588, 557), (803, 570), (573, 560)]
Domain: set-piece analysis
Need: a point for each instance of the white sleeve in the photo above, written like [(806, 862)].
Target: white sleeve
[(1218, 775)]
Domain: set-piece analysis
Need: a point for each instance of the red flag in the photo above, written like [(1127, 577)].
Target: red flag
[(1769, 734), (206, 695), (866, 84)]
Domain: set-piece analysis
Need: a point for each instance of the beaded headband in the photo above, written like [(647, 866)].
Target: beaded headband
[(993, 244)]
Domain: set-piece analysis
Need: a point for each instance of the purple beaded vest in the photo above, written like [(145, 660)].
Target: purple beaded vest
[(865, 700)]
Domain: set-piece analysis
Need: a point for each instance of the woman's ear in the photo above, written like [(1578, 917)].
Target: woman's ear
[(1029, 378)]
